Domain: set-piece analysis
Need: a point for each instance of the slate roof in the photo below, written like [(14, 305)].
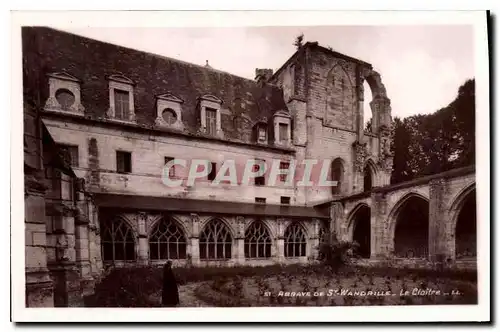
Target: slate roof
[(169, 204), (46, 50)]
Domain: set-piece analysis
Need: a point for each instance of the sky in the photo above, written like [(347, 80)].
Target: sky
[(421, 66)]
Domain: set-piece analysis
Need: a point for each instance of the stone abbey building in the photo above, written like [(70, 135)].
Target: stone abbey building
[(101, 121)]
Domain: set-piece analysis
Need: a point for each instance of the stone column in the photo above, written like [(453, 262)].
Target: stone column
[(195, 239), (359, 157), (337, 218), (39, 286), (437, 221), (143, 256), (280, 241), (380, 237), (240, 241), (61, 212), (361, 98), (94, 240), (314, 240), (82, 248), (62, 266)]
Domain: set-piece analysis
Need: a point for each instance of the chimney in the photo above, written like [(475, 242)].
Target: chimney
[(263, 75)]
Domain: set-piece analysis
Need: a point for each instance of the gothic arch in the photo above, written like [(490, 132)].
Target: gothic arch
[(463, 233), (338, 173), (350, 217), (393, 217), (339, 83), (380, 103), (167, 239), (369, 175), (119, 241), (295, 236), (258, 240), (130, 223), (232, 230), (458, 201), (216, 240), (359, 228), (179, 223)]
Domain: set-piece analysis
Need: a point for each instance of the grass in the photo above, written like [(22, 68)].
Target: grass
[(245, 286)]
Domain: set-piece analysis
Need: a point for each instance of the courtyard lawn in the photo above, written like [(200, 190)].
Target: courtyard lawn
[(292, 285)]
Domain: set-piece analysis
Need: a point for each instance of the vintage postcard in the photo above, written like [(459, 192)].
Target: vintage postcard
[(299, 166)]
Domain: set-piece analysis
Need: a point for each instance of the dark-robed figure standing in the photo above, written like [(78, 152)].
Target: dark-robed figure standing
[(170, 294)]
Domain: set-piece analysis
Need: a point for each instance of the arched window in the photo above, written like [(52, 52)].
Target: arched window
[(167, 241), (117, 241), (257, 241), (295, 241), (337, 175), (368, 180), (215, 241)]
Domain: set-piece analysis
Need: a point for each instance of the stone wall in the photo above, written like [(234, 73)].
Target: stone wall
[(97, 146)]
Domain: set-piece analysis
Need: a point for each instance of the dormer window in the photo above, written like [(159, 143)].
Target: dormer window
[(260, 129), (210, 116), (262, 138), (64, 94), (121, 98), (282, 130), (169, 111)]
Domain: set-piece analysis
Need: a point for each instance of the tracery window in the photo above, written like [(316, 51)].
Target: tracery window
[(257, 241), (295, 241), (117, 241), (215, 241), (167, 241)]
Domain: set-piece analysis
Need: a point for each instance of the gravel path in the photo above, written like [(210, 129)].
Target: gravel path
[(187, 297)]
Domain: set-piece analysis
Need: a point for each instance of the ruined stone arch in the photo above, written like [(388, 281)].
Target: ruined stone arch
[(380, 103), (463, 232), (419, 245), (359, 228)]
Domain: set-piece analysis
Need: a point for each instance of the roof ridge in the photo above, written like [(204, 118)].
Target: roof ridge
[(156, 55)]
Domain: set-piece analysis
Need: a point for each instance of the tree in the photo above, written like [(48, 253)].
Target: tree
[(433, 143), (299, 40)]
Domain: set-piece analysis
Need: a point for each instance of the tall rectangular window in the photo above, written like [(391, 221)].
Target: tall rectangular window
[(70, 152), (123, 162), (122, 105), (171, 171), (211, 120), (262, 134), (283, 132), (284, 166), (259, 180)]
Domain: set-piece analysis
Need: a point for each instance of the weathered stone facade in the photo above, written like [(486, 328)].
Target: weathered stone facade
[(123, 113)]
